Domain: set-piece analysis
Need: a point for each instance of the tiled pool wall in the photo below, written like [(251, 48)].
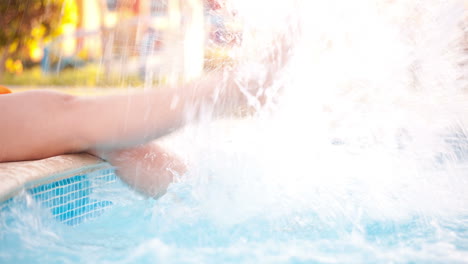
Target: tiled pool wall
[(70, 196)]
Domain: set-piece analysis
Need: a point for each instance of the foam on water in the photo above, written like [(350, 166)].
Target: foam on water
[(362, 159)]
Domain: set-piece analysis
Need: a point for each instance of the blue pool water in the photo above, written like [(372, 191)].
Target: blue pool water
[(209, 218)]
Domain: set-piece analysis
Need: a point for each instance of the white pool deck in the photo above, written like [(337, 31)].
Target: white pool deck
[(15, 176)]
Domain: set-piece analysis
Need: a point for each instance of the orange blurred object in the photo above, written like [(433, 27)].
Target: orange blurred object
[(4, 90)]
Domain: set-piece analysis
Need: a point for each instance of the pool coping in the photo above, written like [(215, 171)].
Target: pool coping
[(16, 176)]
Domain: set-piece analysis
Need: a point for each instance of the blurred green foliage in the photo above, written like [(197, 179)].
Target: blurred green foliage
[(87, 76), (19, 18)]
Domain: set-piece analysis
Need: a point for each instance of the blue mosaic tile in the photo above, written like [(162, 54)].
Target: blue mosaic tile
[(69, 199)]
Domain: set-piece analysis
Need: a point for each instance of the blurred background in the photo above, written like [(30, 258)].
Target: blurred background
[(112, 43)]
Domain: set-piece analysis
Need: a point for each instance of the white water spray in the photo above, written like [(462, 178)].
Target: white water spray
[(370, 122)]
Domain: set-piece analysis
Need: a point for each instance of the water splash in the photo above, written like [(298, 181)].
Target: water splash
[(367, 136), (370, 117)]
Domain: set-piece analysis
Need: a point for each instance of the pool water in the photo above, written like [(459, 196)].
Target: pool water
[(233, 207)]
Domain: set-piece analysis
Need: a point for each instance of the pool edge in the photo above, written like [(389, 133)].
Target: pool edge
[(16, 176)]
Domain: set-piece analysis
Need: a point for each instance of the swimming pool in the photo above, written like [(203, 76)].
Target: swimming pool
[(232, 209)]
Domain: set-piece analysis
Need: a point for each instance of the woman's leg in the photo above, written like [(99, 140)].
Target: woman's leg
[(147, 168), (41, 124)]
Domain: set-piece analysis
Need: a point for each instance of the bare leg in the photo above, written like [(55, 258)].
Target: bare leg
[(147, 168), (41, 124)]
